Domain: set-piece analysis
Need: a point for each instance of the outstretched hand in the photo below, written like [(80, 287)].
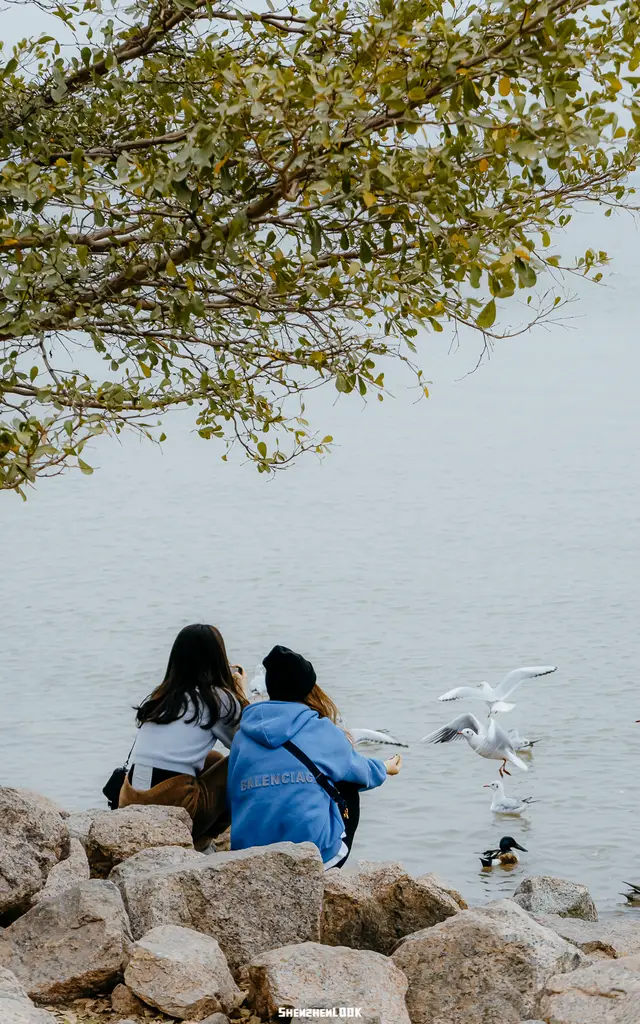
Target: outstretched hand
[(393, 764)]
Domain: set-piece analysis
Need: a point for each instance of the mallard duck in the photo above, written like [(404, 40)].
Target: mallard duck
[(504, 856), (633, 895)]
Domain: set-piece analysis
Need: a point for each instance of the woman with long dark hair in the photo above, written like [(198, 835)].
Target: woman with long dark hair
[(173, 761), (293, 772)]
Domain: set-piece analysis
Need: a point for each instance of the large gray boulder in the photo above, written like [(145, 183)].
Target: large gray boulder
[(69, 872), (542, 894), (481, 965), (72, 945), (116, 835), (608, 939), (249, 900), (33, 838), (79, 822), (374, 905), (607, 992), (181, 972), (315, 976), (15, 1005), (154, 861)]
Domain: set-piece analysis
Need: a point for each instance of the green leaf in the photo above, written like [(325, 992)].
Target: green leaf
[(86, 469), (487, 317)]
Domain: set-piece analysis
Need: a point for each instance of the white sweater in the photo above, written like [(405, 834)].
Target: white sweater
[(182, 746)]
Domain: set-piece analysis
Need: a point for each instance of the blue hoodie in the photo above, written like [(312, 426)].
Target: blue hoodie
[(272, 796)]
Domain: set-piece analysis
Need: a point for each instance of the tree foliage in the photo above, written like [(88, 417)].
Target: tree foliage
[(223, 208)]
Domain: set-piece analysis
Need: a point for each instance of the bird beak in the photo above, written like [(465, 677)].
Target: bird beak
[(486, 786), (458, 733), (518, 847)]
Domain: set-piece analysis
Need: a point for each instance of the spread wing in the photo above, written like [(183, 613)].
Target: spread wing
[(374, 736), (452, 730), (513, 679), (462, 691)]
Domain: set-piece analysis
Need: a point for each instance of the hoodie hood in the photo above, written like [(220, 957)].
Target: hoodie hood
[(272, 722)]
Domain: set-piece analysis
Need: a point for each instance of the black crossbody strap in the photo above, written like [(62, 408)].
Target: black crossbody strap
[(319, 776)]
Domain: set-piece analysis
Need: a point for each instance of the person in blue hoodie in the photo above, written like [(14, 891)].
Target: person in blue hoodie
[(281, 750)]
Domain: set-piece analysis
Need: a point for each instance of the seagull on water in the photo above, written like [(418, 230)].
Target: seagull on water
[(491, 742), (520, 743), (503, 804), (496, 697)]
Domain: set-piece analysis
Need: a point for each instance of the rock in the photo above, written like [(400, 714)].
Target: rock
[(249, 900), (124, 1003), (435, 879), (615, 937), (69, 872), (216, 1018), (15, 1005), (116, 835), (182, 973), (33, 838), (544, 895), (317, 976), (154, 861), (481, 965), (79, 823), (607, 992), (374, 905), (222, 842), (72, 945)]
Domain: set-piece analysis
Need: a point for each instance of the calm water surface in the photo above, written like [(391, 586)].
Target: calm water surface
[(443, 543)]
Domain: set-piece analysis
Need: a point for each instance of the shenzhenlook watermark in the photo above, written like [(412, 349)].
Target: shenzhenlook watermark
[(331, 1011)]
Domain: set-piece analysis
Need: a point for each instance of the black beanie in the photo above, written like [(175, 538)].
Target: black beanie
[(289, 676)]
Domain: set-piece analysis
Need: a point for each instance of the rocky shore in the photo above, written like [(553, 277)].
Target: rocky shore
[(112, 917)]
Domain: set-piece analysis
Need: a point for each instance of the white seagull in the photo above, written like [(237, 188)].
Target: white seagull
[(520, 743), (257, 686), (491, 742), (496, 698), (503, 804)]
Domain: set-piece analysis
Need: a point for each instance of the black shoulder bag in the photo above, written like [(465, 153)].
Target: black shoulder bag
[(322, 780), (116, 782)]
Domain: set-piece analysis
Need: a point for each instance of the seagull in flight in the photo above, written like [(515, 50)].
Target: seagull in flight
[(490, 741), (496, 697), (362, 737)]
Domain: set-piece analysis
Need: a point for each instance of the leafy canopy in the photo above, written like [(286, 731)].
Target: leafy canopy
[(222, 208)]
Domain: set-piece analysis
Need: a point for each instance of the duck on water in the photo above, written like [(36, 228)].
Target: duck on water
[(504, 856)]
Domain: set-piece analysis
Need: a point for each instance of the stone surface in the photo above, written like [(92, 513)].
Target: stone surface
[(15, 1005), (249, 900), (434, 879), (154, 861), (33, 838), (317, 976), (374, 905), (545, 895), (481, 965), (216, 1018), (182, 973), (125, 1003), (614, 937), (69, 872), (607, 992), (79, 823), (116, 835), (73, 945)]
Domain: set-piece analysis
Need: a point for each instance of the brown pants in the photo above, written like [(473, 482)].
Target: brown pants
[(203, 796)]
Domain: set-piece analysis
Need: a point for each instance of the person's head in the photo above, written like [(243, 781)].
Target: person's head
[(290, 677), (198, 667)]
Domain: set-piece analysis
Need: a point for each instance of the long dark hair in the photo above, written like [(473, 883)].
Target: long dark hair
[(198, 668)]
